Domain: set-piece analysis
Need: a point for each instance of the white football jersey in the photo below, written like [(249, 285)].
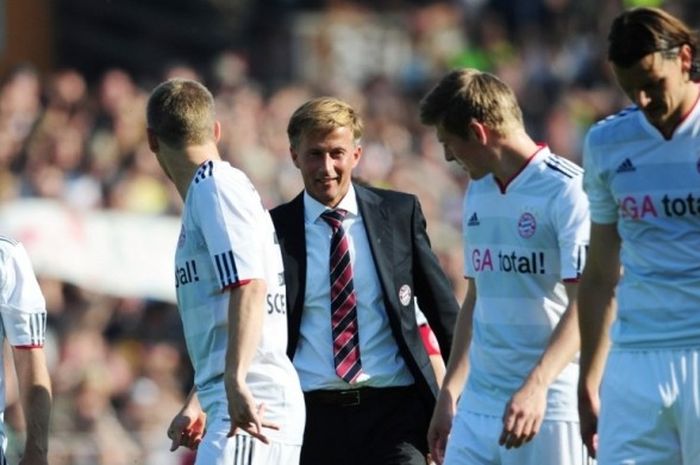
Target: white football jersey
[(521, 241), (227, 239), (650, 187), (22, 307)]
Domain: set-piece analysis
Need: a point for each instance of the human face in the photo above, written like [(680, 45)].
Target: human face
[(467, 153), (659, 86), (326, 161)]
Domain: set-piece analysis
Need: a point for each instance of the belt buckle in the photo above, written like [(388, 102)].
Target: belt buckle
[(351, 397)]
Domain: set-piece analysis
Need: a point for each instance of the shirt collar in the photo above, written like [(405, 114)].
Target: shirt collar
[(313, 208)]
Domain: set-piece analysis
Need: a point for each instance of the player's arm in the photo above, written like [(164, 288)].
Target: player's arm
[(455, 377), (596, 300), (245, 322), (35, 395), (187, 427), (525, 410)]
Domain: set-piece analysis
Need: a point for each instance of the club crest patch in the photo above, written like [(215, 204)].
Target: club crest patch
[(527, 225), (405, 294)]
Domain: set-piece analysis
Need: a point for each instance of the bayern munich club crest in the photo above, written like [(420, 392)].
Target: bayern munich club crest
[(527, 225), (405, 294)]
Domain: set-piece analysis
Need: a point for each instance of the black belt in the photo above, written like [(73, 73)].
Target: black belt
[(354, 397)]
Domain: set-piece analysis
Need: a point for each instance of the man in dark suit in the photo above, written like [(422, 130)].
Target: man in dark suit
[(356, 259)]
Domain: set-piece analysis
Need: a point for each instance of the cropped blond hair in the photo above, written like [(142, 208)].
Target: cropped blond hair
[(320, 115), (181, 113)]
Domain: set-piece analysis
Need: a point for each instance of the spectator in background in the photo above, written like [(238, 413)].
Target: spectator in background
[(231, 294), (23, 314), (641, 177), (354, 258), (525, 227)]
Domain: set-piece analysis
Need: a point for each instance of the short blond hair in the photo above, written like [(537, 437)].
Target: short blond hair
[(181, 113), (320, 115), (468, 94)]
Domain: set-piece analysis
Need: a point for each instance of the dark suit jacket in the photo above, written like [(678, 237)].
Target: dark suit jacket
[(401, 249)]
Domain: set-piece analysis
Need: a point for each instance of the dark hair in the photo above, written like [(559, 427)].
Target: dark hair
[(637, 32)]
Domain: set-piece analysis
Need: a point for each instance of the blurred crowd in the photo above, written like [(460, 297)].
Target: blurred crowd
[(118, 364)]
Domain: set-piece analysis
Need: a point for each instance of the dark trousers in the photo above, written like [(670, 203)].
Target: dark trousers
[(365, 426)]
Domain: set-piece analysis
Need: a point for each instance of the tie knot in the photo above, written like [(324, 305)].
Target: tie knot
[(334, 218)]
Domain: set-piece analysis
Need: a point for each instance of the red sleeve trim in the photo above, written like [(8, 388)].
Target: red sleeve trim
[(236, 285), (429, 340), (572, 280), (31, 346)]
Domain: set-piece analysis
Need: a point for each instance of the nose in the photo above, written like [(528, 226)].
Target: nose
[(328, 163)]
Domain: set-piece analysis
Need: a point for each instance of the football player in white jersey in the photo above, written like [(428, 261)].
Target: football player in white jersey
[(525, 228), (23, 325), (643, 182), (231, 294)]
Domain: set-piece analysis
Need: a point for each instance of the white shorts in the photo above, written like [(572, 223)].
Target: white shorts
[(650, 408), (218, 449), (474, 441)]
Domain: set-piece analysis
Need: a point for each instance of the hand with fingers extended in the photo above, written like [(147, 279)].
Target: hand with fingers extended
[(523, 415), (187, 428), (245, 414)]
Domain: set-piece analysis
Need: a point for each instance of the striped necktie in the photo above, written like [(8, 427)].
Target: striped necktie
[(344, 327)]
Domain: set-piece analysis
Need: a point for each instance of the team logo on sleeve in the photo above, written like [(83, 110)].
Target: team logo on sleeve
[(527, 225), (405, 294)]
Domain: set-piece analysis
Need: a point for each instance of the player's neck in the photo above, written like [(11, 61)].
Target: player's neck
[(515, 153), (184, 163)]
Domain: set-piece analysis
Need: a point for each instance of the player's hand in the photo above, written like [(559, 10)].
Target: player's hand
[(523, 415), (187, 428), (440, 426), (245, 414), (588, 408)]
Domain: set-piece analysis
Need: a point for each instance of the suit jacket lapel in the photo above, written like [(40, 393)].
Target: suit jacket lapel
[(376, 217)]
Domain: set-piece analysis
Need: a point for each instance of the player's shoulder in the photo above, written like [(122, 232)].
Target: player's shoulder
[(8, 247), (560, 171), (618, 128), (220, 175)]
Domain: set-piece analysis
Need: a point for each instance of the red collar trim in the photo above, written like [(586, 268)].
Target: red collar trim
[(504, 186)]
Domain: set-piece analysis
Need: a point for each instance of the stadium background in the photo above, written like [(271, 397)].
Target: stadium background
[(80, 188)]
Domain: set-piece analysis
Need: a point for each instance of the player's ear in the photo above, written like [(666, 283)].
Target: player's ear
[(478, 132), (152, 140), (686, 55), (217, 131), (295, 156)]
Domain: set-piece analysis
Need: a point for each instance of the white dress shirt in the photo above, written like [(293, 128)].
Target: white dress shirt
[(382, 363)]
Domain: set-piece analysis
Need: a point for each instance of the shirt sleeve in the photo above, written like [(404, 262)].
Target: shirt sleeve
[(468, 265), (229, 211), (603, 206), (22, 305), (572, 220)]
